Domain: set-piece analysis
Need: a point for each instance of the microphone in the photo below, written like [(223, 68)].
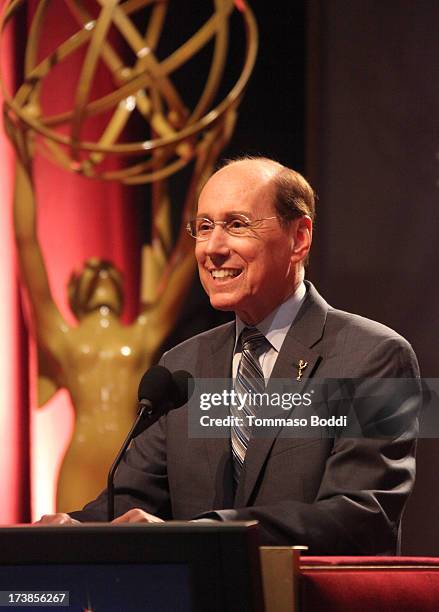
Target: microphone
[(159, 391)]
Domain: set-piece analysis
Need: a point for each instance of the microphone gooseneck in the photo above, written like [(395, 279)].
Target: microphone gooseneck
[(159, 391)]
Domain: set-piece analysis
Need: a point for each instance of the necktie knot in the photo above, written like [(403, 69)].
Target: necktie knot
[(252, 340)]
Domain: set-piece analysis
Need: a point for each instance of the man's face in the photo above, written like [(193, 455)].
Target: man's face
[(250, 274)]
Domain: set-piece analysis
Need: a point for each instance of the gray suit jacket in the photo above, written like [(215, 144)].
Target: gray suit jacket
[(337, 496)]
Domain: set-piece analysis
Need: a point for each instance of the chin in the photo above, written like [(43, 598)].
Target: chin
[(223, 302), (219, 303)]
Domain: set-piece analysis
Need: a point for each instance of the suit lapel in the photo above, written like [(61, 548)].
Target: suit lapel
[(305, 332)]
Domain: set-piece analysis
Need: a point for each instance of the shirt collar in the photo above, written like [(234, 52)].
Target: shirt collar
[(277, 324)]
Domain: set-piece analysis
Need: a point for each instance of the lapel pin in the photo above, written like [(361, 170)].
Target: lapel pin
[(300, 367)]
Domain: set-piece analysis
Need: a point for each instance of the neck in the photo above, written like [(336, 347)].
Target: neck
[(100, 312), (251, 321)]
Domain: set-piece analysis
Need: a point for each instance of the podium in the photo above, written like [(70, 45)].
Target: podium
[(161, 567), (198, 567)]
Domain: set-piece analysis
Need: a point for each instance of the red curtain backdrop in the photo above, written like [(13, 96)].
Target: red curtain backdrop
[(14, 438), (77, 219)]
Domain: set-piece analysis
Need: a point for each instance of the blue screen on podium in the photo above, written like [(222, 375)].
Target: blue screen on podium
[(104, 587)]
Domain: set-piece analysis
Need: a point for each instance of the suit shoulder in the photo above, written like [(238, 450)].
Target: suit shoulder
[(341, 327), (366, 346), (361, 326)]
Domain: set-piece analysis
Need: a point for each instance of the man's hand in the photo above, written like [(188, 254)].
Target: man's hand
[(137, 516), (61, 518)]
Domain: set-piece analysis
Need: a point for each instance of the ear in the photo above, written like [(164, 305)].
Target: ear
[(302, 238)]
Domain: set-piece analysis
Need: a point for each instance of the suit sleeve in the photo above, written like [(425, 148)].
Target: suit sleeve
[(367, 478)]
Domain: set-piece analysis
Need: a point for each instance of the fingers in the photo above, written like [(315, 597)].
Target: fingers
[(61, 518), (137, 516), (132, 516)]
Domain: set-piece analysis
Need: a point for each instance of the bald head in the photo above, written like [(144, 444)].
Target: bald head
[(292, 195), (263, 167)]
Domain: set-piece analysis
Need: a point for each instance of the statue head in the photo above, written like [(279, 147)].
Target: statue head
[(97, 284)]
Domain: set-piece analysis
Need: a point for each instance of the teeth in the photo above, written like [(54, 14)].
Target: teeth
[(224, 273)]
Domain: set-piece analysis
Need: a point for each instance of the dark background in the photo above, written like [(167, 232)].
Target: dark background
[(345, 91), (372, 153)]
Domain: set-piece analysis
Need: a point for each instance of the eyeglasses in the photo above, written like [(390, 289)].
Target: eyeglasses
[(237, 225)]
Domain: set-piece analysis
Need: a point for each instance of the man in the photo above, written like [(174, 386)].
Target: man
[(338, 495)]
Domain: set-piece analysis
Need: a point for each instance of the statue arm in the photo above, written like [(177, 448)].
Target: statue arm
[(158, 318), (46, 317)]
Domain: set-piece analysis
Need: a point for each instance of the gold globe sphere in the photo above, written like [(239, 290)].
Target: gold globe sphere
[(146, 87)]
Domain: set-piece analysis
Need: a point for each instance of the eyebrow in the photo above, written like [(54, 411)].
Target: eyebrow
[(230, 213)]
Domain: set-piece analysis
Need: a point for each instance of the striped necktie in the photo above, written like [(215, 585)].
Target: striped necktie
[(249, 380)]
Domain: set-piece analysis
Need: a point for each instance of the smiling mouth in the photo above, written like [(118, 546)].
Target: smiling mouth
[(225, 273)]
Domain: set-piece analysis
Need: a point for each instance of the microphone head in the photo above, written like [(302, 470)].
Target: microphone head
[(158, 385), (154, 385), (162, 391)]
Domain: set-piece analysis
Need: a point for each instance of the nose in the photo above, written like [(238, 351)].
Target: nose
[(217, 245), (217, 241)]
